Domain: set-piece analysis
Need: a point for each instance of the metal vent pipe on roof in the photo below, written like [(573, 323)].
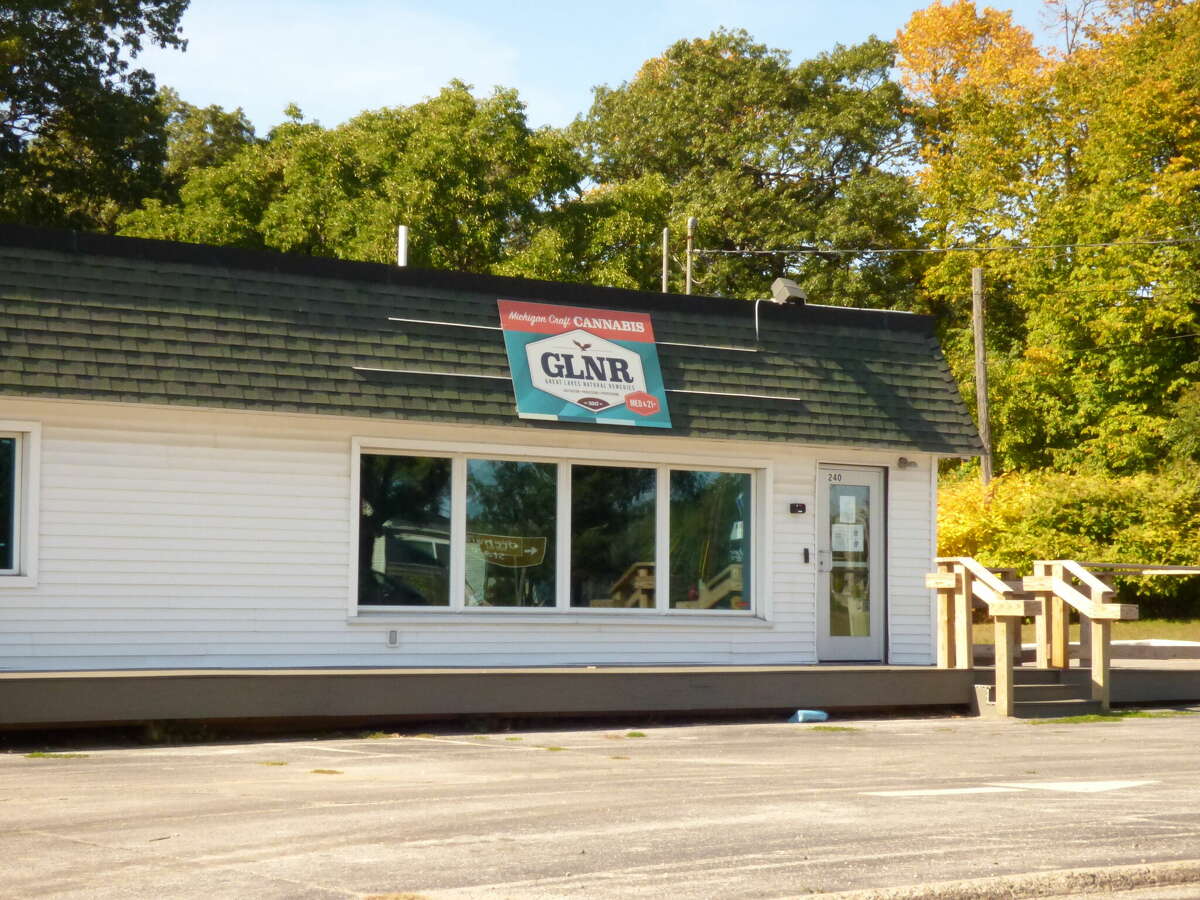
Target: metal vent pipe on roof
[(402, 245)]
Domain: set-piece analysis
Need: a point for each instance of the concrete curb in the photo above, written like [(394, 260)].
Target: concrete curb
[(1060, 883)]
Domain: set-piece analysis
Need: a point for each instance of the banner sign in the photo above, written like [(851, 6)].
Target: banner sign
[(571, 364)]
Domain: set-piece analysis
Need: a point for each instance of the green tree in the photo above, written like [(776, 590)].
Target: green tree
[(199, 137), (81, 135), (765, 154), (1092, 145), (466, 174)]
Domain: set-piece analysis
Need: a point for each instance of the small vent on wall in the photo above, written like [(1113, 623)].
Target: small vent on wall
[(393, 638)]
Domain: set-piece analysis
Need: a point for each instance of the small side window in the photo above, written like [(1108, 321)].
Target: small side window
[(19, 449), (9, 467)]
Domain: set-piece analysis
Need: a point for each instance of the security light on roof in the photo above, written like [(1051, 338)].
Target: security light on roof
[(784, 290)]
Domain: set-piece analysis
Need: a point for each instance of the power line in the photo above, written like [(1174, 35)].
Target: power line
[(1019, 248)]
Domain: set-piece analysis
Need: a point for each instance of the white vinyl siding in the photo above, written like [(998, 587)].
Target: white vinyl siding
[(197, 538)]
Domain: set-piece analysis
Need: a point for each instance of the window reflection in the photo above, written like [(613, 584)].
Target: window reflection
[(612, 536), (511, 529), (710, 540), (849, 579), (404, 531)]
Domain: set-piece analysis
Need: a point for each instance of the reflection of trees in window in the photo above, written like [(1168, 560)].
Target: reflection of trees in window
[(8, 497), (404, 531), (509, 499), (710, 540), (612, 532)]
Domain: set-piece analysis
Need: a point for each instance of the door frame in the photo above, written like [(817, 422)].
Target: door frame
[(878, 574)]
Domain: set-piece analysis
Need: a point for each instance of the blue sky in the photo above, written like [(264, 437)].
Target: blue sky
[(335, 59)]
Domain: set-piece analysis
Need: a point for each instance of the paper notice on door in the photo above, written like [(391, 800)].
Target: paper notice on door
[(847, 509), (848, 538)]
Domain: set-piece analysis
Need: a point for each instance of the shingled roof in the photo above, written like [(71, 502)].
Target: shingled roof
[(94, 317)]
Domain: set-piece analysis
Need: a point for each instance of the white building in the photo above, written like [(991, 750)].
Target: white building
[(218, 459)]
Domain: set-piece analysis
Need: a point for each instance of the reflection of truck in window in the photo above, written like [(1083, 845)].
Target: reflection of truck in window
[(408, 566)]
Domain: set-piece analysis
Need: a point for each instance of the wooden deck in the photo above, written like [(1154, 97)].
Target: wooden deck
[(47, 699), (38, 699)]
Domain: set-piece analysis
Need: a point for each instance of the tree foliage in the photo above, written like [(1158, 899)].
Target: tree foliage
[(81, 134), (467, 175), (764, 153), (1149, 517), (199, 137), (1092, 145)]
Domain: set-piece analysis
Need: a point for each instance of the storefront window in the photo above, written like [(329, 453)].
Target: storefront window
[(631, 537), (612, 537), (404, 531), (710, 540), (8, 503), (511, 533)]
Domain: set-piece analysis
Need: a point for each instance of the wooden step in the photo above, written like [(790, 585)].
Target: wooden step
[(1055, 709), (1029, 675), (1030, 693), (1039, 701)]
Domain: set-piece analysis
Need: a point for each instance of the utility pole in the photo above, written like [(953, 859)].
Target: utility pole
[(691, 240), (666, 258), (981, 384)]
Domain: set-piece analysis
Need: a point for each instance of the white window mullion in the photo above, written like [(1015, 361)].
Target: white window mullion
[(662, 540), (562, 570), (458, 532)]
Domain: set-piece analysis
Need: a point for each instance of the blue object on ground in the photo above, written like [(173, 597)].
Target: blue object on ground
[(809, 715)]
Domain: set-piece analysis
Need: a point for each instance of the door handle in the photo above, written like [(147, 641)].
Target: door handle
[(824, 560)]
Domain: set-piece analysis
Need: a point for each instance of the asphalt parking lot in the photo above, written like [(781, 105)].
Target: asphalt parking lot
[(709, 810)]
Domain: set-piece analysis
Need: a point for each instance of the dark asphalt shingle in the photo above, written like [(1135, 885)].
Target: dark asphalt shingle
[(94, 317)]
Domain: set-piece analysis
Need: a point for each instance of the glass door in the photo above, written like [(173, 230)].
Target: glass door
[(850, 596)]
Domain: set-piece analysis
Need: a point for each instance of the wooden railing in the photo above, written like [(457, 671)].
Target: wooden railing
[(1055, 585), (1088, 588), (961, 583)]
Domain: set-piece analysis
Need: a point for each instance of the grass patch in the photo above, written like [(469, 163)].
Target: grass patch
[(326, 772), (635, 734), (514, 739), (1115, 716), (832, 728), (41, 754), (375, 735), (618, 757), (554, 749), (273, 762), (1137, 630)]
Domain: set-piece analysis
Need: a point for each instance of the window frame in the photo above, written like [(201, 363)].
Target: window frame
[(26, 482), (761, 480)]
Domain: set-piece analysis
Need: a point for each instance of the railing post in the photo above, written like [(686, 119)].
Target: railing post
[(1014, 639), (1004, 666), (964, 650), (1041, 624), (1060, 627), (1101, 683), (945, 601)]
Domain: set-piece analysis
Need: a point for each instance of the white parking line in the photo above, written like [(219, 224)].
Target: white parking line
[(942, 792), (1075, 787), (1071, 787)]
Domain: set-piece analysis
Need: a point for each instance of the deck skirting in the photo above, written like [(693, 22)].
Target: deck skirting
[(58, 698)]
